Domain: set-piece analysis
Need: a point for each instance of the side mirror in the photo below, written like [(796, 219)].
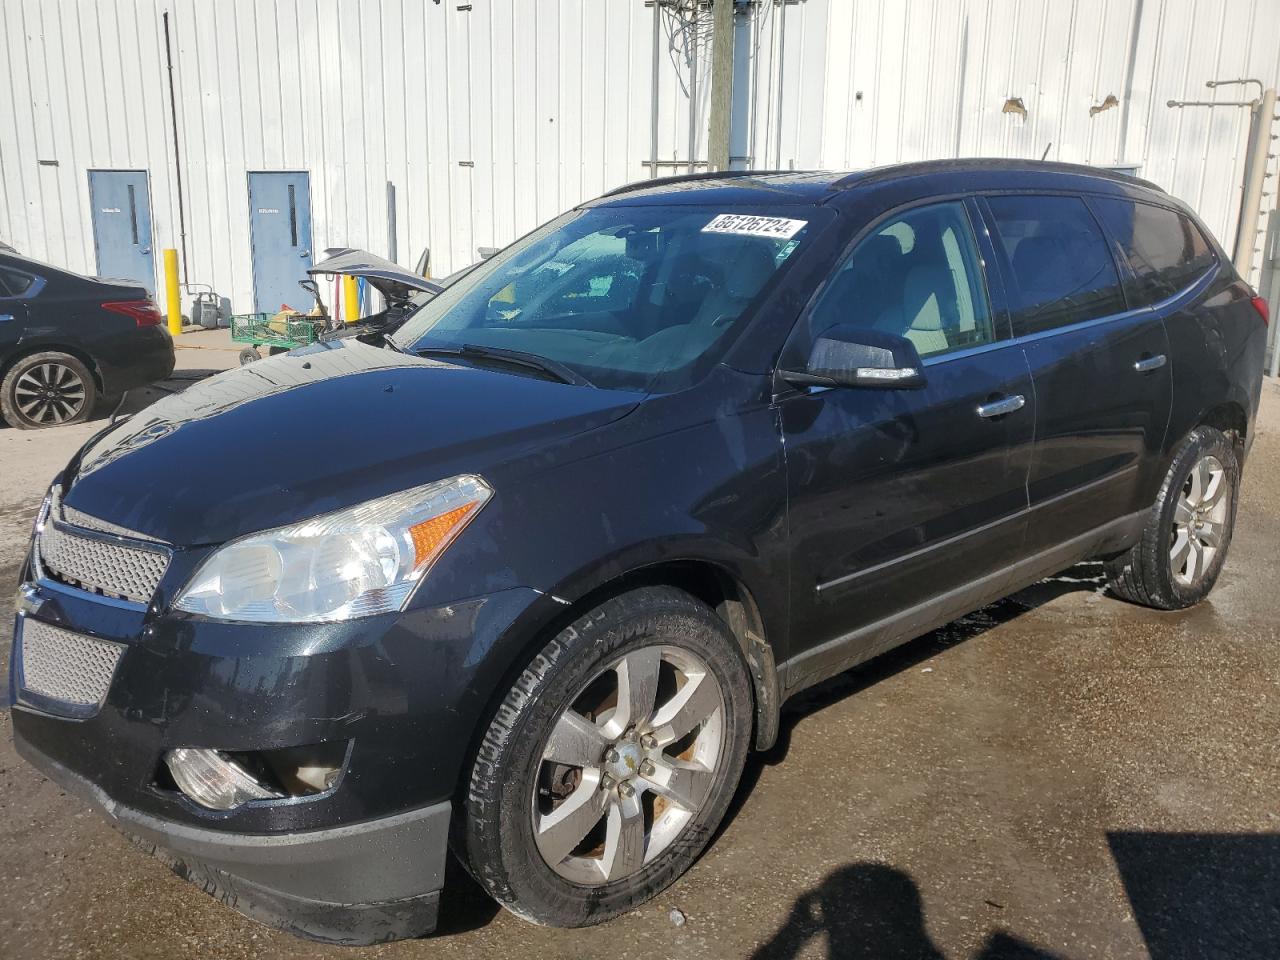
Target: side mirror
[(848, 356)]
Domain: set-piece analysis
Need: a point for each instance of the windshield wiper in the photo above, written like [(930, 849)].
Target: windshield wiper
[(552, 368)]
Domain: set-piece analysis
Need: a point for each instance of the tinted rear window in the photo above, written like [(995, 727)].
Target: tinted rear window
[(1166, 251), (1062, 270)]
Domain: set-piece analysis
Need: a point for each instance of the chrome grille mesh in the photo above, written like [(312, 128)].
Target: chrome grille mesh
[(115, 569), (78, 519), (66, 666)]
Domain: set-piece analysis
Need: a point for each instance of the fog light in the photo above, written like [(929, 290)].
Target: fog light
[(213, 780)]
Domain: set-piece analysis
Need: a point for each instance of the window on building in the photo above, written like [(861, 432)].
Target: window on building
[(1062, 269)]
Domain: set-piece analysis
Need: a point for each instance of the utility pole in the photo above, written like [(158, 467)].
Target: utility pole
[(721, 84)]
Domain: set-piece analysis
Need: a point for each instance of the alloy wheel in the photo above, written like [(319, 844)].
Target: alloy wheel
[(1199, 520), (49, 393), (628, 764)]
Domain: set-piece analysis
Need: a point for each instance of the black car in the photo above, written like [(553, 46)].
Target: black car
[(529, 574), (69, 342)]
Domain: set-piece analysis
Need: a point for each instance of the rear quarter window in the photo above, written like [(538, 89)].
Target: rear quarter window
[(1061, 266), (14, 283), (1165, 250)]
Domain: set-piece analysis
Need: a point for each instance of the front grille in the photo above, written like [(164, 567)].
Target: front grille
[(78, 519), (66, 666), (115, 569)]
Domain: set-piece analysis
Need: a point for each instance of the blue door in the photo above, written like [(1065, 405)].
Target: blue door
[(280, 229), (121, 207)]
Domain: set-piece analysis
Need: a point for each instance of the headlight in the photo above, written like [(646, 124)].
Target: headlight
[(353, 563)]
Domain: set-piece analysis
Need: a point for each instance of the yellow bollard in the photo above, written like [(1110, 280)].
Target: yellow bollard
[(172, 300), (350, 300)]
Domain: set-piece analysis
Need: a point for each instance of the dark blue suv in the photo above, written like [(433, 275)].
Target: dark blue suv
[(527, 572)]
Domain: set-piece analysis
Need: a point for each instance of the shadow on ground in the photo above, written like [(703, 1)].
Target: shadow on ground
[(1194, 896), (869, 911), (1203, 895)]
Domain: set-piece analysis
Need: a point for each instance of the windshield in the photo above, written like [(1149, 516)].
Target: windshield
[(630, 297)]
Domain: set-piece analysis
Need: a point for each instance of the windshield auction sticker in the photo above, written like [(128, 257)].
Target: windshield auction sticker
[(779, 228)]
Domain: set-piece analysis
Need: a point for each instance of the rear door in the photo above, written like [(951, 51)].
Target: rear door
[(120, 204), (1100, 369), (901, 500)]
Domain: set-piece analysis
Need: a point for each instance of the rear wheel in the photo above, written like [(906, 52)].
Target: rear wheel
[(47, 390), (249, 355), (1188, 531), (611, 761)]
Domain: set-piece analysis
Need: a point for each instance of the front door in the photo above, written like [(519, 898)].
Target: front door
[(121, 208), (280, 231), (902, 501)]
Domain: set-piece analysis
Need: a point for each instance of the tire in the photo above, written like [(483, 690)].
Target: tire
[(1176, 563), (249, 355), (49, 389), (501, 841)]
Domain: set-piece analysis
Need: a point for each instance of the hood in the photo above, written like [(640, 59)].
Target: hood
[(393, 281), (316, 430)]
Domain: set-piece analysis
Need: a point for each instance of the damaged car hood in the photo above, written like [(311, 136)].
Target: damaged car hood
[(315, 430)]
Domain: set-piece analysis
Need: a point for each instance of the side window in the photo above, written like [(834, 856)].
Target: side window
[(917, 276), (1166, 251), (14, 283), (1062, 269)]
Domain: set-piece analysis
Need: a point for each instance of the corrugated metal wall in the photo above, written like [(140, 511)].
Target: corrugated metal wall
[(492, 116), (858, 83), (487, 120)]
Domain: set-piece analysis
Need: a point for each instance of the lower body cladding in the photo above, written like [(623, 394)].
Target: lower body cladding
[(301, 882), (348, 853)]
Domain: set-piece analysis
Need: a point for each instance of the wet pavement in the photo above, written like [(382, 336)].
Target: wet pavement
[(1058, 775)]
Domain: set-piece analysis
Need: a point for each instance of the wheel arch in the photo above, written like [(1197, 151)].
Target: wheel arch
[(706, 580), (1231, 419)]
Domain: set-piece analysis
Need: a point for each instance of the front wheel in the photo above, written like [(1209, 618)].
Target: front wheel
[(611, 761), (1188, 531)]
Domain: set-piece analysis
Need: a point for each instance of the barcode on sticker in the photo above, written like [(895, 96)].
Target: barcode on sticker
[(779, 228)]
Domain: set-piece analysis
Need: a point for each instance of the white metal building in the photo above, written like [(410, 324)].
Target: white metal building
[(453, 125)]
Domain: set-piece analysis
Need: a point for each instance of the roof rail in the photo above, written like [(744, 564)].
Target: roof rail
[(921, 167), (692, 178)]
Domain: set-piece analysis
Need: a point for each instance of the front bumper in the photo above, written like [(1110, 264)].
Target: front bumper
[(356, 884), (359, 862)]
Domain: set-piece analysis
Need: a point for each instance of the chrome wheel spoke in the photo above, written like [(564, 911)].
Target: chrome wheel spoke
[(683, 783), (1211, 534), (1214, 487), (692, 704), (637, 689), (1195, 492), (575, 741), (559, 831), (1183, 513), (623, 839), (1195, 558)]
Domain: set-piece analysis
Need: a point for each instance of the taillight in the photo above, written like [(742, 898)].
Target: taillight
[(144, 312), (1260, 305)]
